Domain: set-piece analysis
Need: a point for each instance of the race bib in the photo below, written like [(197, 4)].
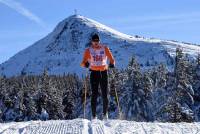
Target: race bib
[(98, 57)]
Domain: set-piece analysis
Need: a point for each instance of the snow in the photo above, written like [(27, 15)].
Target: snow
[(44, 115), (61, 51), (96, 126)]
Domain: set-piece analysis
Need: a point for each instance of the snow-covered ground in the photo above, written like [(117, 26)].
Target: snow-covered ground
[(85, 126)]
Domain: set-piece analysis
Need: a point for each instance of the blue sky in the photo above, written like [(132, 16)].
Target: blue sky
[(23, 22)]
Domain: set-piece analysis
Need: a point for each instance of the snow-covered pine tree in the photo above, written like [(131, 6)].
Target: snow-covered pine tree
[(181, 102), (2, 88), (12, 102), (2, 93), (50, 98), (196, 86), (147, 84), (160, 94), (133, 94), (159, 76), (71, 96), (197, 79), (68, 103), (42, 96), (148, 89), (30, 111), (116, 80)]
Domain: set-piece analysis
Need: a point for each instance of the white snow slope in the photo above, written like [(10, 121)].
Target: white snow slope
[(61, 51), (78, 126)]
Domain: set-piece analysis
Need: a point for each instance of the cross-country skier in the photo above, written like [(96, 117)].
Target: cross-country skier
[(95, 58)]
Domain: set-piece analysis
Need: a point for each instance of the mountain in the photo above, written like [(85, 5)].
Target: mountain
[(61, 51), (85, 126)]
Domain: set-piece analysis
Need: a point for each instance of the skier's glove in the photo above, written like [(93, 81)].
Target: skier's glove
[(111, 65), (87, 64)]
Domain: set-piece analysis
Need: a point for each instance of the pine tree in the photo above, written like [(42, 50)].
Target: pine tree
[(182, 99), (196, 85), (133, 100), (161, 79), (2, 94), (147, 84), (2, 87), (68, 102), (30, 110), (148, 105), (42, 93), (159, 76), (197, 78), (52, 98), (116, 80)]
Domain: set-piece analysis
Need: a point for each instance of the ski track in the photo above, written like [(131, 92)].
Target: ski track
[(84, 126), (97, 127)]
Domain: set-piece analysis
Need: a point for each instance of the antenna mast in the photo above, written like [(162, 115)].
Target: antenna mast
[(75, 12)]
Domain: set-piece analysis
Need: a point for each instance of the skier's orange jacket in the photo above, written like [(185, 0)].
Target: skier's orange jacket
[(97, 57)]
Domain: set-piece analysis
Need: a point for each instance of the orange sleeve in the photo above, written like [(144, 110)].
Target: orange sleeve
[(86, 56), (110, 56)]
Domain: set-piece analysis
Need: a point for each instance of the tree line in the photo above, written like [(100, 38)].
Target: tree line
[(156, 94)]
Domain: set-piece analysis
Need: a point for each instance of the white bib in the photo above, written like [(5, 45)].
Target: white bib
[(98, 57)]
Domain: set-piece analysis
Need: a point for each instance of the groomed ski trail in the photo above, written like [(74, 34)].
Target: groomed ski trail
[(84, 126)]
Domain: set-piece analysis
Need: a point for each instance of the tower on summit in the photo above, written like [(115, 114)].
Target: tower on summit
[(75, 12)]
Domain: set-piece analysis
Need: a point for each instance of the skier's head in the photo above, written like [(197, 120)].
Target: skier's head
[(95, 40)]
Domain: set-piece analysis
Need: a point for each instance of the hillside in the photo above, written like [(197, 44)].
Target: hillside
[(61, 51)]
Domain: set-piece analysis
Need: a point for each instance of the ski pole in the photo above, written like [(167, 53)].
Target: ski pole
[(85, 92)]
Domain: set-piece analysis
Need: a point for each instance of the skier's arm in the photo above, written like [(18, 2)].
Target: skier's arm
[(85, 58), (110, 56)]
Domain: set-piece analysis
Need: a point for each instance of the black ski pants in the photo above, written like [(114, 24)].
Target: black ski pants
[(99, 78)]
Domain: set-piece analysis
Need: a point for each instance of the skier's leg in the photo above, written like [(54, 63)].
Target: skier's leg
[(94, 81), (104, 90)]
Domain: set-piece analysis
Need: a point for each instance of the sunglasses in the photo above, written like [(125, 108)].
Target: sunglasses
[(95, 40)]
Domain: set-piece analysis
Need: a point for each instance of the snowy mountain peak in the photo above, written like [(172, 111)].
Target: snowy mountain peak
[(61, 51)]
